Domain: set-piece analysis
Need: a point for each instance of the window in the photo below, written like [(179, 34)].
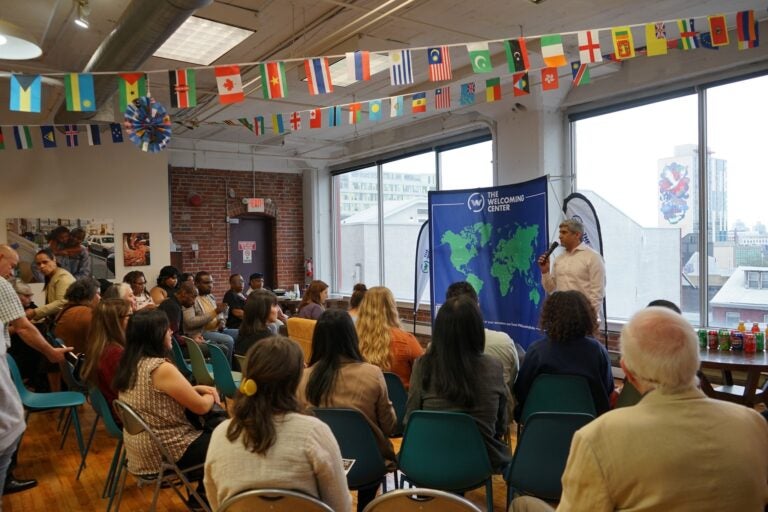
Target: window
[(642, 168), (376, 233)]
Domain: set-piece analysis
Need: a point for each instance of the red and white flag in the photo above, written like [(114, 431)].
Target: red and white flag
[(230, 84), (316, 118)]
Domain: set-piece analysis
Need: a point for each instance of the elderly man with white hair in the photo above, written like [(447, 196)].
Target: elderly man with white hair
[(676, 449)]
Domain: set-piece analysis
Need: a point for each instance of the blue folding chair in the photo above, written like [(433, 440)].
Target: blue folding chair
[(399, 396), (226, 380), (104, 411)]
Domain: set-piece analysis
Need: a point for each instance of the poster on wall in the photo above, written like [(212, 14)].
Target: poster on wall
[(84, 247), (136, 249), (490, 238)]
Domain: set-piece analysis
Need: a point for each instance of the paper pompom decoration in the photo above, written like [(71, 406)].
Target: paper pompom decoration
[(148, 124)]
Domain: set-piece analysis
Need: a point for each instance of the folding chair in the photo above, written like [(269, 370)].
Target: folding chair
[(169, 472), (557, 393), (199, 368), (227, 381), (422, 500), (104, 411), (399, 396), (273, 500)]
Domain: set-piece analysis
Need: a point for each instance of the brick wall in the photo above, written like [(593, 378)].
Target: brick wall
[(206, 224)]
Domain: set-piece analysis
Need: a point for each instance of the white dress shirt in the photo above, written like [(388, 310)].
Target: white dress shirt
[(581, 269)]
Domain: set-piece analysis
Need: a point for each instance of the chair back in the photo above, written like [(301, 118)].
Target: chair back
[(103, 409), (301, 331), (629, 395), (399, 396), (422, 500), (178, 358), (196, 357), (241, 362), (356, 441), (273, 500), (223, 375), (444, 450), (558, 393), (135, 425), (541, 453), (24, 393)]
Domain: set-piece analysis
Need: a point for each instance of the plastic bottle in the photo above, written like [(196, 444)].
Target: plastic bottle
[(755, 327), (742, 327)]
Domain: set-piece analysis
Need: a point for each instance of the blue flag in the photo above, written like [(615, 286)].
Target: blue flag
[(117, 132), (49, 136), (334, 116)]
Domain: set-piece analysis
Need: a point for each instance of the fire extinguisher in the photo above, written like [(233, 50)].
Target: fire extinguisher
[(308, 267)]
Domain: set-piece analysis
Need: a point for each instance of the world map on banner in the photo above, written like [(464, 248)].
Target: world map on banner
[(491, 238)]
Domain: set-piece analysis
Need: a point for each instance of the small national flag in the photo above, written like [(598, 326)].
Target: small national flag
[(492, 90), (623, 45), (746, 30), (277, 123), (517, 55), (94, 135), (419, 103), (395, 106), (719, 30), (318, 76), (400, 67), (22, 137), (443, 97), (656, 39), (183, 84), (480, 57), (26, 91), (580, 73), (589, 46), (439, 60), (316, 118), (706, 41), (549, 79), (355, 111), (334, 116), (295, 121), (71, 131), (520, 85), (230, 84), (117, 132), (246, 122), (467, 94), (374, 110), (49, 136), (258, 125), (689, 38), (79, 92), (358, 65), (552, 50), (131, 86), (2, 140)]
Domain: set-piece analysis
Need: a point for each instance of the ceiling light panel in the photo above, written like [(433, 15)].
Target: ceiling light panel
[(201, 41)]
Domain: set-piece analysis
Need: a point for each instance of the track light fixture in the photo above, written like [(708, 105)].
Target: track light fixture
[(82, 11)]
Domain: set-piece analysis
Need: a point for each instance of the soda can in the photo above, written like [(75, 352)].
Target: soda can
[(702, 338), (737, 341), (759, 341), (712, 339), (724, 339), (750, 346)]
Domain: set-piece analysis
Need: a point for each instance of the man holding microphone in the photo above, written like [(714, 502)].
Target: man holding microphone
[(578, 268)]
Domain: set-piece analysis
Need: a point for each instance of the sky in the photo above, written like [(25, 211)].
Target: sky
[(617, 154)]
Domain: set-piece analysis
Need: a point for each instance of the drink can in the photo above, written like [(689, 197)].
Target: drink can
[(702, 338), (759, 341), (724, 339), (749, 343), (712, 339), (737, 340)]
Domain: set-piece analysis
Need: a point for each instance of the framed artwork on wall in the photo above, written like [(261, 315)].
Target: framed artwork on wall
[(136, 251)]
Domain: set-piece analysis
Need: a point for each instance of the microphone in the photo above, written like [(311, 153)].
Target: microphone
[(551, 250)]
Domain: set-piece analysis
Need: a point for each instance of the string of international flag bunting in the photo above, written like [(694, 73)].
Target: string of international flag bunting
[(26, 90)]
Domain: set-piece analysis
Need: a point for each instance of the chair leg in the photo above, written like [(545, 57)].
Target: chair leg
[(158, 483), (78, 432), (111, 475), (124, 470), (65, 428), (87, 447), (489, 494)]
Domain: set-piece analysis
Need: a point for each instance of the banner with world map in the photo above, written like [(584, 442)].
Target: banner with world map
[(491, 237)]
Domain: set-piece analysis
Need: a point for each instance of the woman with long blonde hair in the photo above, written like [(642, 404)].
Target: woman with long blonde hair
[(382, 342)]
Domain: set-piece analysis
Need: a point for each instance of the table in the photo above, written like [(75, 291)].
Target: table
[(727, 362)]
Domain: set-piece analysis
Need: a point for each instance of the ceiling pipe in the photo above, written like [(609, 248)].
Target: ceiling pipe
[(141, 30)]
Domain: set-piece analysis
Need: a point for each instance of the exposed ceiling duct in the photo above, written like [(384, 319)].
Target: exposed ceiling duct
[(140, 31)]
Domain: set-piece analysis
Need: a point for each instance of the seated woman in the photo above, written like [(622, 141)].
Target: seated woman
[(268, 442), (358, 292), (167, 282), (106, 342), (339, 377), (260, 310), (74, 321), (568, 348), (455, 375), (122, 291), (159, 393), (382, 341), (313, 303), (138, 283)]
